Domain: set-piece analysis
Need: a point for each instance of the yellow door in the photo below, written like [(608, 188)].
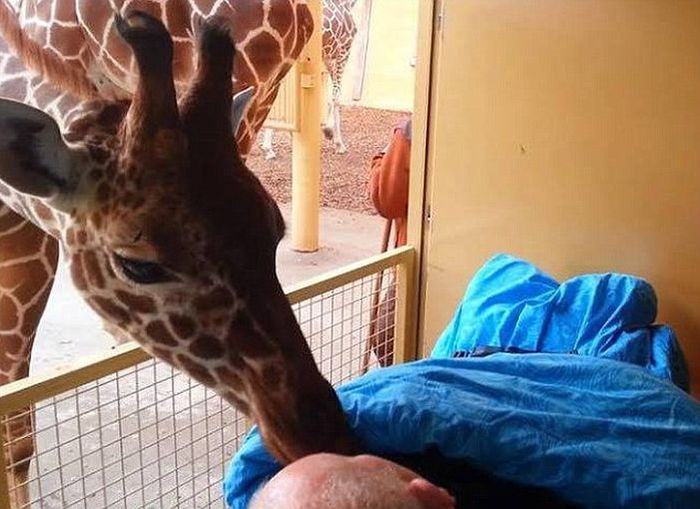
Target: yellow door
[(566, 132)]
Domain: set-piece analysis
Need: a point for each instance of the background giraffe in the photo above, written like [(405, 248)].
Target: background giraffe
[(270, 35), (168, 237), (339, 30)]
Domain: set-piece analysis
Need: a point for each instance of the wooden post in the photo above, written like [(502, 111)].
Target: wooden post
[(306, 144)]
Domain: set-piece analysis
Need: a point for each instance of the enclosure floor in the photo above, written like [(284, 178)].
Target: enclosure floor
[(344, 177)]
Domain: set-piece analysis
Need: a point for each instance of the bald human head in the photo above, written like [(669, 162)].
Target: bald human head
[(324, 481)]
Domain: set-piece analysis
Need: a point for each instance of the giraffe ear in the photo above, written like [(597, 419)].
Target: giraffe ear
[(239, 107), (34, 158)]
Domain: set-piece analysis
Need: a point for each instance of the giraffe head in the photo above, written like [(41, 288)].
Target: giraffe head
[(172, 240)]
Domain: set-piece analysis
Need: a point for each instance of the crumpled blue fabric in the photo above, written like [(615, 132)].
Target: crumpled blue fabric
[(601, 433), (512, 303), (604, 432)]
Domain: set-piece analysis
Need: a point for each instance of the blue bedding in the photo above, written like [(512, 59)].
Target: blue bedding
[(600, 429), (511, 303)]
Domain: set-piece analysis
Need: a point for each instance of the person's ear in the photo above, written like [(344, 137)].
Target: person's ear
[(430, 495)]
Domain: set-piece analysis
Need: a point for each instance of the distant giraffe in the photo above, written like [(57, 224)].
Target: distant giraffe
[(339, 32)]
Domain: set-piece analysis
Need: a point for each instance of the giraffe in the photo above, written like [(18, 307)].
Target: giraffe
[(95, 62), (166, 233), (339, 30)]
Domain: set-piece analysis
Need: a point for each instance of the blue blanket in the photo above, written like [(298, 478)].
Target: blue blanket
[(512, 303), (601, 432)]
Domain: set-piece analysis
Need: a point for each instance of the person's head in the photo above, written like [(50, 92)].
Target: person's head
[(324, 481)]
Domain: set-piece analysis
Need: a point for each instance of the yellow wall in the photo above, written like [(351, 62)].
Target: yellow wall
[(389, 79), (567, 132)]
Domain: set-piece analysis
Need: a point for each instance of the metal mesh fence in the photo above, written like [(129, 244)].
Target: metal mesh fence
[(146, 436), (338, 323), (149, 437)]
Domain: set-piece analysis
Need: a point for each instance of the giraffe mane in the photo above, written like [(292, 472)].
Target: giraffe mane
[(40, 60)]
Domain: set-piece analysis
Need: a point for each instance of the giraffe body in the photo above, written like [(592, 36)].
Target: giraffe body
[(339, 30), (269, 36), (167, 235)]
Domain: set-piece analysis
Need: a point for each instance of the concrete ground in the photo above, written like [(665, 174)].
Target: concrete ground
[(345, 238), (70, 329)]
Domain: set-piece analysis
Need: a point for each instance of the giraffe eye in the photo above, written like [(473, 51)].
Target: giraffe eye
[(143, 272)]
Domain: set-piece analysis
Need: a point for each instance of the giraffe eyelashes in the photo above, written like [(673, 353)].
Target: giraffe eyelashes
[(143, 272)]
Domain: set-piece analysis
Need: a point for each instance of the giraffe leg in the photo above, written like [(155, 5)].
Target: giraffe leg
[(331, 128), (266, 145), (327, 125), (28, 260), (340, 147)]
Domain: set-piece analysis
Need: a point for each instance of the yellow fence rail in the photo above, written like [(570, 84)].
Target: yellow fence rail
[(126, 430)]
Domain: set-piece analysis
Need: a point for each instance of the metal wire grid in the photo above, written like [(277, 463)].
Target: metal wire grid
[(146, 436), (150, 437), (337, 324)]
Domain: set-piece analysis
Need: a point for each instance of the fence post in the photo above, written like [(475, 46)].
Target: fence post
[(405, 346)]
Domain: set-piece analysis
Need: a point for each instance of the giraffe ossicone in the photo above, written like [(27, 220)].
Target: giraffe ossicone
[(170, 238)]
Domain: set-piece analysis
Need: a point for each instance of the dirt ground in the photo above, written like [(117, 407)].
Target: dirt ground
[(344, 177)]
